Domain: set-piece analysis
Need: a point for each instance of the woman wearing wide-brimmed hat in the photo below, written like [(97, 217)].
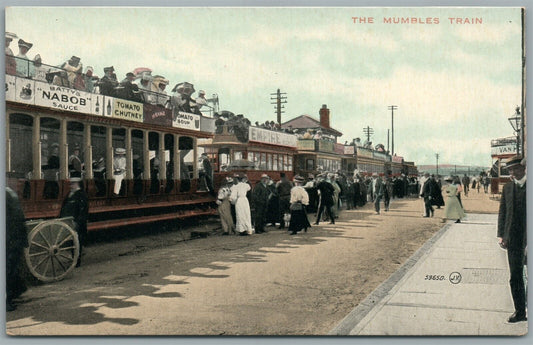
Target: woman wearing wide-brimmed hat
[(298, 203), (242, 206), (224, 207), (454, 209)]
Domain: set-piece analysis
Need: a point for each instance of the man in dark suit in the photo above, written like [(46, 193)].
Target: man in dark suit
[(427, 192), (512, 233), (16, 241), (76, 205), (326, 190), (260, 201)]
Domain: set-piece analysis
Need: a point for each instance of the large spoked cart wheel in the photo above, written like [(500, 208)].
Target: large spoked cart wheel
[(53, 248)]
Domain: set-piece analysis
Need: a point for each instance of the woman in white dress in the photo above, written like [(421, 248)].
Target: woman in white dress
[(242, 207)]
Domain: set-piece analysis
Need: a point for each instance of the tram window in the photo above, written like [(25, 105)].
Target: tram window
[(290, 163), (262, 161), (223, 159), (269, 161), (257, 157), (275, 166), (169, 154), (75, 148), (118, 142), (98, 144), (186, 146), (137, 138), (21, 150), (49, 137), (237, 155), (310, 164), (155, 161)]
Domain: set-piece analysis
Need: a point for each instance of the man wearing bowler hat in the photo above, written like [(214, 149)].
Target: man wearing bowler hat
[(76, 205), (512, 233)]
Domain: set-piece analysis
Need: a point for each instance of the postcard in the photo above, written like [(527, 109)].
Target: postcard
[(265, 171)]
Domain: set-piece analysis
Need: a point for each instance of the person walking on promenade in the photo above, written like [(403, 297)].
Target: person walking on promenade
[(283, 187), (388, 189), (466, 184), (16, 241), (436, 196), (453, 209), (299, 201), (486, 183), (242, 206), (224, 207), (377, 191), (512, 233), (427, 192), (336, 195), (326, 191), (260, 196), (76, 205)]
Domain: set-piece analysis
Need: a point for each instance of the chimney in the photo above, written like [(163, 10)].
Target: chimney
[(324, 116)]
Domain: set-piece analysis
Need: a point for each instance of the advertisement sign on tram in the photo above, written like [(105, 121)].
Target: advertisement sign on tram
[(126, 110), (349, 150), (25, 91), (271, 137), (157, 115), (10, 87), (60, 97), (397, 159), (186, 121)]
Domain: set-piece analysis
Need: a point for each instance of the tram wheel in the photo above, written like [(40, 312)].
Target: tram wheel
[(53, 250)]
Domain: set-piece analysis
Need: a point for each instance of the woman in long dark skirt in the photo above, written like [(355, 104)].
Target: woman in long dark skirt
[(299, 201)]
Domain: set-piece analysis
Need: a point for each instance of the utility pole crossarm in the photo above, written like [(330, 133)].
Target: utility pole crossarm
[(279, 100)]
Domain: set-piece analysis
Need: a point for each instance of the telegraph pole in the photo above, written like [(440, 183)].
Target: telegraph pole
[(279, 99), (437, 156), (368, 132), (388, 130), (392, 108)]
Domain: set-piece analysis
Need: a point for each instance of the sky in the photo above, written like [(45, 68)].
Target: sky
[(454, 84)]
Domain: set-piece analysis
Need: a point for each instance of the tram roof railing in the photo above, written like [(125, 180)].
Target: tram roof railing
[(47, 73)]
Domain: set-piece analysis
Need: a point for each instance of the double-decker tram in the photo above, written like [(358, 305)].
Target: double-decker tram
[(238, 147), (50, 128)]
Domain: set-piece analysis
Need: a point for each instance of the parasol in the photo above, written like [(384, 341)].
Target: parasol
[(185, 87), (141, 70)]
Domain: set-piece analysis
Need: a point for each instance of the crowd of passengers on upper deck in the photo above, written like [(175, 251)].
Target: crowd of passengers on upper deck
[(139, 85)]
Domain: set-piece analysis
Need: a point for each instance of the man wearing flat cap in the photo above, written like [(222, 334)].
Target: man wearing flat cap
[(260, 196), (512, 233), (23, 63)]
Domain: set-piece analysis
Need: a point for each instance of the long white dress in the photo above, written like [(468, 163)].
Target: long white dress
[(242, 207)]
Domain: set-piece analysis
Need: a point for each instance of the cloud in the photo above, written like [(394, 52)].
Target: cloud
[(488, 33)]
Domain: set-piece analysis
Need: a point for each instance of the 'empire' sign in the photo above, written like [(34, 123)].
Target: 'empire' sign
[(271, 137)]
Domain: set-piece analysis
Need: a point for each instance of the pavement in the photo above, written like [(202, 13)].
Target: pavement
[(456, 284)]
